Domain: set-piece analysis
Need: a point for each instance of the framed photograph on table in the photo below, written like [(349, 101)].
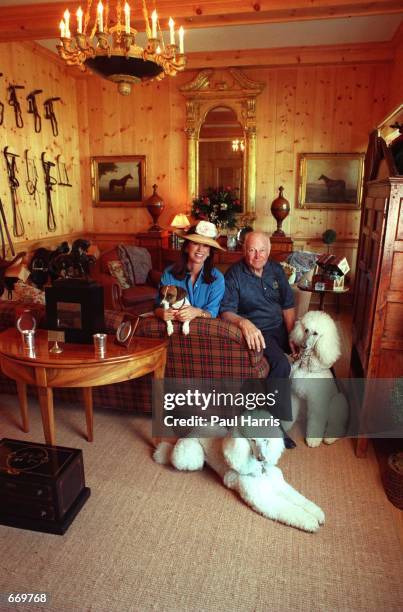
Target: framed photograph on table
[(118, 181), (330, 180)]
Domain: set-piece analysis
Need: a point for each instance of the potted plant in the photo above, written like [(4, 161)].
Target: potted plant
[(218, 205)]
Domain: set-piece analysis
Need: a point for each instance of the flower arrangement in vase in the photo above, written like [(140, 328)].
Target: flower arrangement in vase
[(218, 205)]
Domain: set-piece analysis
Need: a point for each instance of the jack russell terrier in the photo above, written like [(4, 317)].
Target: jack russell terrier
[(174, 297)]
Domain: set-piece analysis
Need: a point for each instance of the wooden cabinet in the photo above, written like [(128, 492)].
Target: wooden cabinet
[(378, 308), (377, 333)]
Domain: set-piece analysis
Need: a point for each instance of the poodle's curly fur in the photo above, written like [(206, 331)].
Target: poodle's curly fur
[(327, 410), (248, 466)]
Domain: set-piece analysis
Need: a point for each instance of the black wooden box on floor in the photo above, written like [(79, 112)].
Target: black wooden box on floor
[(75, 307), (41, 487)]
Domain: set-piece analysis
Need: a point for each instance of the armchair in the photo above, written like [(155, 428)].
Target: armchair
[(137, 299)]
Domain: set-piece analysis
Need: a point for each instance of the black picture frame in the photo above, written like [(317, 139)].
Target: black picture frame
[(75, 307)]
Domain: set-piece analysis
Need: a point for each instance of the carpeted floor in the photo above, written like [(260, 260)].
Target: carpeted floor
[(150, 538)]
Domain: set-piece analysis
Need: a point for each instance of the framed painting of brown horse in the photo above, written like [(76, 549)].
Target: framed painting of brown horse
[(330, 180), (118, 181)]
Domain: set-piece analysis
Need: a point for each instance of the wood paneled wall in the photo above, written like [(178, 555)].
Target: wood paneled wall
[(149, 122), (302, 109), (396, 81), (35, 68), (306, 108), (328, 109)]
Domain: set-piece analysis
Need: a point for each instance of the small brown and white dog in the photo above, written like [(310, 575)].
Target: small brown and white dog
[(174, 297)]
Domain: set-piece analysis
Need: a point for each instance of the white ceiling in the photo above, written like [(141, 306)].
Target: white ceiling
[(363, 29), (273, 35)]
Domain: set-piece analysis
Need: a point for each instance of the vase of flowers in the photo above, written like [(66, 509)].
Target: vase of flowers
[(218, 205)]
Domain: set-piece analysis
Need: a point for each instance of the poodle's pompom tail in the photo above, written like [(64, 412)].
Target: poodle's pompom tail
[(163, 452), (188, 454)]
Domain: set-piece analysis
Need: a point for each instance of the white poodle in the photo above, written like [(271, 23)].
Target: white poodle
[(248, 466), (327, 409)]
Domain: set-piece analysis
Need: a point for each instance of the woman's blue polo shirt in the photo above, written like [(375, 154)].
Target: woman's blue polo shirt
[(201, 294)]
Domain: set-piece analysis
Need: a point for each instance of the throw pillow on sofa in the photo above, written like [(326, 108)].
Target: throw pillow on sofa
[(290, 271), (116, 270), (24, 292)]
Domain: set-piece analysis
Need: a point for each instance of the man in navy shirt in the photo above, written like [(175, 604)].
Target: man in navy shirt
[(259, 300)]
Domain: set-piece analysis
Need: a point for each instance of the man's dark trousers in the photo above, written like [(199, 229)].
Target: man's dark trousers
[(278, 379)]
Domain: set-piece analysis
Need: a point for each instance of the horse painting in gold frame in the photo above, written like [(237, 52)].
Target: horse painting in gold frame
[(330, 180), (118, 181)]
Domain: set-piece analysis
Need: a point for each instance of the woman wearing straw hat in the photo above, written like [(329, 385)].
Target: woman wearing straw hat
[(195, 272)]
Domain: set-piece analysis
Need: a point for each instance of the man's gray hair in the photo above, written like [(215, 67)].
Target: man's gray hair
[(256, 233)]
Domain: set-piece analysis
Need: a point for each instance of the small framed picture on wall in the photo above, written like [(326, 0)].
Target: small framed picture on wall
[(118, 181), (330, 180)]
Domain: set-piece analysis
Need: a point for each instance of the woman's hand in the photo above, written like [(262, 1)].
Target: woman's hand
[(187, 313), (166, 314), (253, 335)]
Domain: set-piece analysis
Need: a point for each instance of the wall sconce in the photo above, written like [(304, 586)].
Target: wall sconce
[(238, 145)]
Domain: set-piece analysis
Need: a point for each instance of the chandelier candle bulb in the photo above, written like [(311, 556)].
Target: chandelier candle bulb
[(127, 18), (79, 15), (67, 23), (106, 45), (154, 18), (100, 10), (181, 45), (171, 31)]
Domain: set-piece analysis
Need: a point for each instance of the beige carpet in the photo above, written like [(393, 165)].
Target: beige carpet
[(150, 538)]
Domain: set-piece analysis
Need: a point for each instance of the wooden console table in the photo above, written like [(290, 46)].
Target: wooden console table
[(76, 366)]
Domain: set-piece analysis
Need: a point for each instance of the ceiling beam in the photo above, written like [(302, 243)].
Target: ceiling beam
[(294, 56), (40, 21)]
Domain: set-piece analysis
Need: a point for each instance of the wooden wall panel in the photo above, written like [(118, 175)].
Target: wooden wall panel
[(307, 108), (149, 122), (28, 65), (301, 109), (396, 81), (313, 109)]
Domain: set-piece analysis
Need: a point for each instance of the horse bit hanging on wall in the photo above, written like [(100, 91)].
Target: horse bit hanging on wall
[(50, 181), (32, 177), (13, 101), (18, 224), (1, 108)]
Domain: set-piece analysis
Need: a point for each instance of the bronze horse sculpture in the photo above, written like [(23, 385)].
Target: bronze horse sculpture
[(336, 188), (115, 183)]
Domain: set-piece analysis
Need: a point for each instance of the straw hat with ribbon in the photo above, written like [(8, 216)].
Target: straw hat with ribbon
[(203, 233)]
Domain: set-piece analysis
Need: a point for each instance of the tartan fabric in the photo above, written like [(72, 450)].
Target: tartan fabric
[(213, 349)]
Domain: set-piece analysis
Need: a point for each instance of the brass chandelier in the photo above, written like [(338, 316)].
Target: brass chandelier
[(105, 43)]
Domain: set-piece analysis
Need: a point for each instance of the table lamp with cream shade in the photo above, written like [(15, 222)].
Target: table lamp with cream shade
[(180, 221)]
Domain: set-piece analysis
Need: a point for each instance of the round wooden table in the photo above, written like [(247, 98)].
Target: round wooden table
[(322, 292), (77, 366)]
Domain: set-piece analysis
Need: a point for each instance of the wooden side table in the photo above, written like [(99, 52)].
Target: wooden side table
[(76, 366), (323, 292)]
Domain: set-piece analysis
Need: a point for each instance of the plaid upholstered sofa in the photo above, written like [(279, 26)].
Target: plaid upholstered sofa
[(213, 349)]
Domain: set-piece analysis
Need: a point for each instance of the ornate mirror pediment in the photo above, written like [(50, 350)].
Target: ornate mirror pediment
[(215, 89)]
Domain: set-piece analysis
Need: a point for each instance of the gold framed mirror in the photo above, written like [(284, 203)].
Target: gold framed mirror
[(221, 109)]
